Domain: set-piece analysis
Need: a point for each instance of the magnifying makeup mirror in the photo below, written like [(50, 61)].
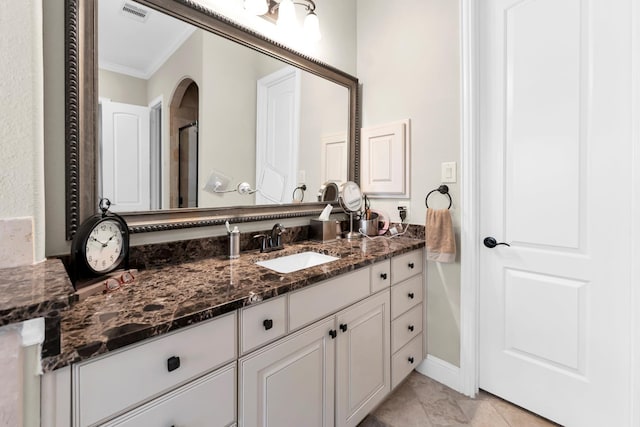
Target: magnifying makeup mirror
[(328, 192), (351, 201)]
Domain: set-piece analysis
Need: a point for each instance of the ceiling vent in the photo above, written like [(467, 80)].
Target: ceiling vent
[(134, 12)]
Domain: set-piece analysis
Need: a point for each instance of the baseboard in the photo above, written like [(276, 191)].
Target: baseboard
[(441, 371)]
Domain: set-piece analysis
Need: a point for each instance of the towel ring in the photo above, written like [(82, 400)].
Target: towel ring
[(443, 189), (302, 189)]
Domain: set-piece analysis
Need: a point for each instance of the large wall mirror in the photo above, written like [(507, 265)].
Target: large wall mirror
[(182, 118)]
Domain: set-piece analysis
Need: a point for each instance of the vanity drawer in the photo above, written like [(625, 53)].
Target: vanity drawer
[(406, 295), (405, 360), (406, 327), (120, 380), (262, 323), (405, 266), (380, 276), (316, 302), (190, 405)]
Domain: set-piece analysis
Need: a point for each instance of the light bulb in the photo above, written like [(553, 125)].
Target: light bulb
[(286, 16), (256, 7), (312, 27)]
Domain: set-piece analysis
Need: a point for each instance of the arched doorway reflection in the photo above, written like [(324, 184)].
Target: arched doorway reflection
[(184, 145)]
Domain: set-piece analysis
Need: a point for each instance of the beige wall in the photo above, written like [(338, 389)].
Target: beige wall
[(228, 111), (324, 109), (337, 17), (163, 83), (122, 88), (21, 119), (408, 64), (54, 142)]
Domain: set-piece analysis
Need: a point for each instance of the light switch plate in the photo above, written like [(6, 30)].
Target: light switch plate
[(449, 172)]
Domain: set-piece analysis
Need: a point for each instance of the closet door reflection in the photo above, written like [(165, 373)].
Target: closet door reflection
[(188, 166)]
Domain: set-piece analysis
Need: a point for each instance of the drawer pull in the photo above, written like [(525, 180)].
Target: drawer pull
[(411, 265), (411, 328), (333, 333), (173, 363), (410, 295), (383, 276), (268, 324), (411, 360), (343, 327)]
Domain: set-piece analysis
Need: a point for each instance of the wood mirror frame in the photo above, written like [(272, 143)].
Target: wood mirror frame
[(81, 92)]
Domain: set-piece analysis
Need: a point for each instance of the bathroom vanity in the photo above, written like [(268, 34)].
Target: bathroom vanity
[(221, 342)]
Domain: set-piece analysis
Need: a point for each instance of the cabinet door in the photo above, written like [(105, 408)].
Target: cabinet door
[(291, 382), (362, 359)]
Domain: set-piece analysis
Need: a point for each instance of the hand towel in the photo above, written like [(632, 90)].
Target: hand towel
[(441, 242)]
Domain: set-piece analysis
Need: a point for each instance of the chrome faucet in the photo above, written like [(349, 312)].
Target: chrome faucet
[(275, 242), (272, 242)]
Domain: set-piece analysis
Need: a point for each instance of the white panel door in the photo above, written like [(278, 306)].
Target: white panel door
[(334, 158), (125, 156), (277, 136), (555, 183)]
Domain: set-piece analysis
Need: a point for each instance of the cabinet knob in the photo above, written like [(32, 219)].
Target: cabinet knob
[(173, 363), (411, 265), (268, 324), (343, 327), (333, 333), (411, 360), (383, 276), (411, 328), (410, 295)]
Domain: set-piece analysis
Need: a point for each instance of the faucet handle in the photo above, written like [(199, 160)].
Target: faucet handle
[(275, 241), (263, 241)]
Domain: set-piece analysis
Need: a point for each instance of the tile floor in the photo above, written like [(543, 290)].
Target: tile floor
[(422, 402)]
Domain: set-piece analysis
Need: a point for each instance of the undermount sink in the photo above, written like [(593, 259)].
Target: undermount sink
[(296, 262)]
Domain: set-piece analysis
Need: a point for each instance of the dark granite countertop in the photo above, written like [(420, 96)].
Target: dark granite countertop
[(170, 297), (40, 290)]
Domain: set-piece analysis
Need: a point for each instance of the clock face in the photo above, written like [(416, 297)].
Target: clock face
[(104, 246)]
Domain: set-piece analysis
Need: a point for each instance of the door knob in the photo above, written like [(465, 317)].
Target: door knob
[(491, 243)]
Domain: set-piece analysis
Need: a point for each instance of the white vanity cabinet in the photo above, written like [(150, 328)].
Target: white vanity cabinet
[(291, 382), (322, 356), (122, 380), (407, 314)]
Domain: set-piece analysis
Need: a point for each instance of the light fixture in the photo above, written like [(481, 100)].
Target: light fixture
[(283, 13), (256, 7), (286, 16), (312, 26)]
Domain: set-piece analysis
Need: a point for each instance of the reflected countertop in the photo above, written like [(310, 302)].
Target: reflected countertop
[(167, 298)]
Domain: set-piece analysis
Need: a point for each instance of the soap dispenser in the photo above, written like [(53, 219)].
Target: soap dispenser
[(234, 243)]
